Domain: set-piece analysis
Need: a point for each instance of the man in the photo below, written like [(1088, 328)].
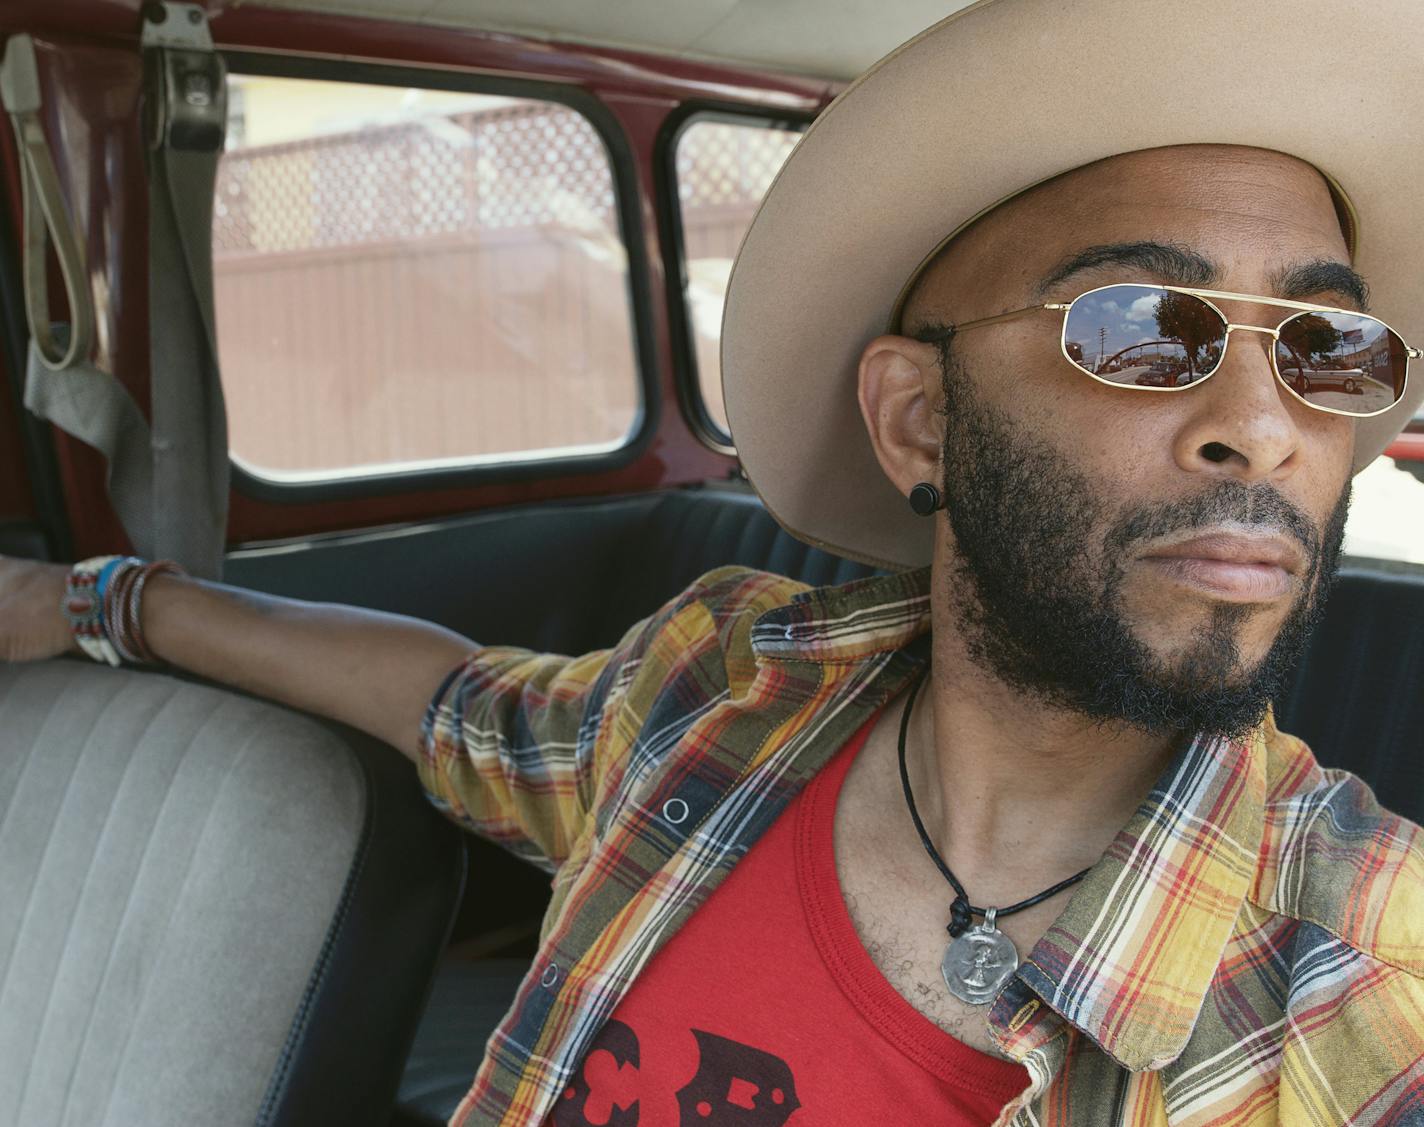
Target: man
[(764, 808)]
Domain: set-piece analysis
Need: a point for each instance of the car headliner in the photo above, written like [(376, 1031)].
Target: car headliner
[(795, 36)]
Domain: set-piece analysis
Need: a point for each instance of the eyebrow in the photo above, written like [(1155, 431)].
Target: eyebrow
[(1321, 276), (1178, 265), (1181, 266)]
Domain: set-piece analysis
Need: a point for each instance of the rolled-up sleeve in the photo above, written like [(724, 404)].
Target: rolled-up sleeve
[(519, 746), (504, 751)]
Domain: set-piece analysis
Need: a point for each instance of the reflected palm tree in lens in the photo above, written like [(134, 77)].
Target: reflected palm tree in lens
[(1195, 328), (1304, 347)]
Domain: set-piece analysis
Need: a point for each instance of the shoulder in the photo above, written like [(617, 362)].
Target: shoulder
[(692, 647), (714, 615), (671, 673), (735, 592), (1331, 856)]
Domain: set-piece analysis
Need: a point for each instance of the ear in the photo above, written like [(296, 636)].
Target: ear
[(899, 389)]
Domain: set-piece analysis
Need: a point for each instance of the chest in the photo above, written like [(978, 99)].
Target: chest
[(901, 925), (899, 903)]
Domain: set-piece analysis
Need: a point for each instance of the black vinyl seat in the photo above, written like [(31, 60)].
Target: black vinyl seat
[(467, 1002), (1358, 694), (559, 577)]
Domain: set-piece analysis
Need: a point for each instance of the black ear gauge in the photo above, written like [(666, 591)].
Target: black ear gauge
[(925, 499)]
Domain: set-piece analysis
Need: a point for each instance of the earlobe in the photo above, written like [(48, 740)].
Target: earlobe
[(898, 391)]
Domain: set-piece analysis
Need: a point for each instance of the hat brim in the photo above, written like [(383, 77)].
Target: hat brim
[(1005, 94)]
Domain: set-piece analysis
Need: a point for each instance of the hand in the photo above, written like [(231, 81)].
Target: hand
[(32, 623)]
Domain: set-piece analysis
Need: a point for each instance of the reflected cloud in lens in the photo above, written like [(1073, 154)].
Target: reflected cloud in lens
[(1144, 336)]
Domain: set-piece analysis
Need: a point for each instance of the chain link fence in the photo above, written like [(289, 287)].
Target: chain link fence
[(526, 165), (452, 285)]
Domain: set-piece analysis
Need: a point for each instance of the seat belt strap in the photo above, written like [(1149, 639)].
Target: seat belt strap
[(187, 121), (168, 480), (61, 385)]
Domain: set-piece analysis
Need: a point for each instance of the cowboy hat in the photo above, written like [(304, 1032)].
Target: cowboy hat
[(1006, 94)]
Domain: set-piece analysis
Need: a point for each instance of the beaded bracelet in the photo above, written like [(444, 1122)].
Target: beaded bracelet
[(103, 602), (84, 607)]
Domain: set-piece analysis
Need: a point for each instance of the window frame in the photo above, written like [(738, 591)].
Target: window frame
[(502, 468), (686, 377)]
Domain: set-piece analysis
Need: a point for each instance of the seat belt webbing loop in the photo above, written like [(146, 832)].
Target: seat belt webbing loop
[(62, 386), (44, 212)]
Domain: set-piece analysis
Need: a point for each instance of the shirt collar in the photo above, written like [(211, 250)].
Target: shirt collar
[(1132, 957), (1130, 960), (849, 622)]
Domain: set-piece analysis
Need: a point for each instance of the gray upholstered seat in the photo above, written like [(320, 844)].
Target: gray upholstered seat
[(212, 910)]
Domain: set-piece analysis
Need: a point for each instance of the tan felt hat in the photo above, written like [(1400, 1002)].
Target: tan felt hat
[(1001, 96)]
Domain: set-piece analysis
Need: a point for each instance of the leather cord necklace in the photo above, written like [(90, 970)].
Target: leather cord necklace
[(979, 959)]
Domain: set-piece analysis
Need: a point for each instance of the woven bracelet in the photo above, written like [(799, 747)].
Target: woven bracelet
[(83, 606)]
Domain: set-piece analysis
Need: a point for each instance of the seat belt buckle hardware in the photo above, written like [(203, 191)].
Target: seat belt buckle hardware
[(19, 77), (186, 108)]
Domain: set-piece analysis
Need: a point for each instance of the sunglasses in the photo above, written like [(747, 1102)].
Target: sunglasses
[(1169, 338)]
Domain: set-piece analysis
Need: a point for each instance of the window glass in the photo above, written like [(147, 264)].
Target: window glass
[(1386, 519), (415, 278), (723, 170)]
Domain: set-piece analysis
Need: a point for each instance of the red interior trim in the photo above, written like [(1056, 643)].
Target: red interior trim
[(1408, 447)]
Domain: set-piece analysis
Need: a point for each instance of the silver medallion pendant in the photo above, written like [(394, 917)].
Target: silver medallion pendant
[(978, 963)]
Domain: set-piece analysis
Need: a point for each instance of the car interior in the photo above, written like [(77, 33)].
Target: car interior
[(412, 306)]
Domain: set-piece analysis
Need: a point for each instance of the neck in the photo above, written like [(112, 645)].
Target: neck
[(1017, 793)]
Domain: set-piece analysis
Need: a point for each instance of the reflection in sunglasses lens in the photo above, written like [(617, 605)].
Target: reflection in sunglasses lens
[(1345, 361), (1144, 336)]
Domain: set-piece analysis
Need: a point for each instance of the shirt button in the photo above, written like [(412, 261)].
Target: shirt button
[(550, 976), (675, 810)]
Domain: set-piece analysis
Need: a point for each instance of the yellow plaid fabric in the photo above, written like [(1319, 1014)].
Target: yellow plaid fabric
[(1250, 949)]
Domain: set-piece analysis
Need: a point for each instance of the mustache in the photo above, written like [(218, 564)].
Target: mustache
[(1260, 506)]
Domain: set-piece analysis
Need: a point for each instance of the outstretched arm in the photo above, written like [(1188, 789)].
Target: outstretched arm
[(374, 671)]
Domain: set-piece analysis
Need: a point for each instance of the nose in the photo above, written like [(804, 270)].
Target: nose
[(1239, 422)]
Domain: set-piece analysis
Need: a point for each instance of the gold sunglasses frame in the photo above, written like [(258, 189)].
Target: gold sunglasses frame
[(1205, 296)]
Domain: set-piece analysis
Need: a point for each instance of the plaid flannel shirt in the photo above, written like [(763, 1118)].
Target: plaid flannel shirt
[(1249, 950)]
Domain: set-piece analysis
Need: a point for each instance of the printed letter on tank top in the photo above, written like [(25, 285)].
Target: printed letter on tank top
[(765, 1009)]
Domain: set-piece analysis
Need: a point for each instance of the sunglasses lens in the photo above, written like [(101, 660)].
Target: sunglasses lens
[(1144, 336), (1344, 361)]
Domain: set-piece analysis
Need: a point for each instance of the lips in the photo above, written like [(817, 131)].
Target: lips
[(1233, 566)]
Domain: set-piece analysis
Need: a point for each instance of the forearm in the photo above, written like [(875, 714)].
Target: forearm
[(374, 671)]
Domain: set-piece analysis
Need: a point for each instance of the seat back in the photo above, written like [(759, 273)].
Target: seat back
[(1357, 697), (557, 576), (212, 909)]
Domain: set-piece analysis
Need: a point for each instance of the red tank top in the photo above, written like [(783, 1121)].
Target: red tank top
[(765, 1009)]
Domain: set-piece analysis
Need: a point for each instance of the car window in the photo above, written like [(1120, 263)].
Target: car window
[(412, 279), (723, 168), (1386, 519)]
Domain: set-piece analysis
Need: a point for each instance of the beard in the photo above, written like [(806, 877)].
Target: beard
[(1036, 581)]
